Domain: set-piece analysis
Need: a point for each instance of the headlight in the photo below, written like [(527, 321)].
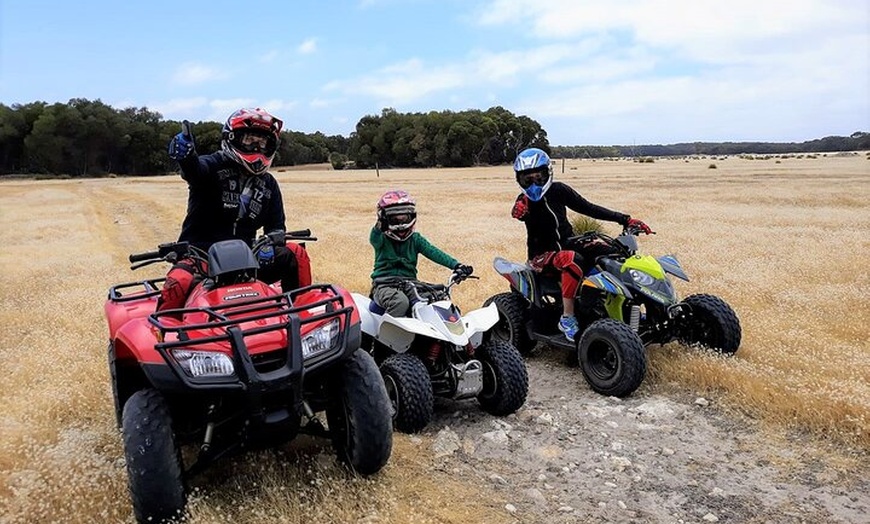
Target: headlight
[(204, 363), (644, 279), (321, 339)]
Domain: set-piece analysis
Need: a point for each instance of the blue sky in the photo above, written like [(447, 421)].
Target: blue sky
[(592, 72)]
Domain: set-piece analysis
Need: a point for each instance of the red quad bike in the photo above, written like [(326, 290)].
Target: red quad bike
[(244, 365)]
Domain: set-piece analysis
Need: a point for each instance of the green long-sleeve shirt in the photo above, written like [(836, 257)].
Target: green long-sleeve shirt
[(393, 258)]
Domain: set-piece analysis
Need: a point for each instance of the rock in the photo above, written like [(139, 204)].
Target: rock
[(701, 401), (709, 517), (446, 442), (510, 508), (535, 495), (667, 452), (498, 479), (498, 436), (565, 509), (544, 419)]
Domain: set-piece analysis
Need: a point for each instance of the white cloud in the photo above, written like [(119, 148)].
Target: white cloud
[(325, 102), (192, 74), (179, 108), (307, 47), (268, 57), (706, 30), (402, 82)]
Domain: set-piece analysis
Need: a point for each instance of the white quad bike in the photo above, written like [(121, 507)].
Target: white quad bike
[(438, 351)]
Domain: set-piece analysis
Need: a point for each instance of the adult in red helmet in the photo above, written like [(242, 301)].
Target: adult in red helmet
[(232, 195), (397, 247)]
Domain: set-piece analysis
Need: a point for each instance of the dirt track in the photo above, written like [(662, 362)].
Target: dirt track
[(662, 455)]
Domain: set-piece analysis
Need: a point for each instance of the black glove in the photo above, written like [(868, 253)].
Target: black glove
[(463, 271)]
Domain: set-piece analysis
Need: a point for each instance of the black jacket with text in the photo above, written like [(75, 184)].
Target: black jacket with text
[(225, 201)]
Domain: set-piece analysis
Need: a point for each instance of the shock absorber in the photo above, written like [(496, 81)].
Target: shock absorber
[(434, 351), (634, 318)]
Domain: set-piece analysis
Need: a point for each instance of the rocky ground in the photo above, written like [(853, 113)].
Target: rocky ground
[(571, 455)]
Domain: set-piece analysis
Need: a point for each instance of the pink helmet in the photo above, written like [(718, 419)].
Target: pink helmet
[(250, 137), (397, 212)]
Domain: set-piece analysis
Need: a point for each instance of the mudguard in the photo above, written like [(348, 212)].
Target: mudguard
[(480, 321), (398, 333), (608, 283), (135, 340), (671, 265)]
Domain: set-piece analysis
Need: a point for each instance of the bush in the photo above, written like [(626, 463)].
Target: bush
[(582, 224), (338, 160), (712, 166)]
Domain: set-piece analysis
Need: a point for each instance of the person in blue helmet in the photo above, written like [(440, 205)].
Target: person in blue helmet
[(542, 206)]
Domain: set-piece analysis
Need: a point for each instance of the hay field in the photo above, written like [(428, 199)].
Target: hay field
[(784, 243)]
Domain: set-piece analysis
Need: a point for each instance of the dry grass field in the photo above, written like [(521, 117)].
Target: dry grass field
[(785, 243)]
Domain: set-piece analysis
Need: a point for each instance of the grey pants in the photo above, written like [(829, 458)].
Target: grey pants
[(394, 300)]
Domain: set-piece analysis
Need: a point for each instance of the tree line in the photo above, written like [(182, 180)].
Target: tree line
[(89, 138), (857, 141)]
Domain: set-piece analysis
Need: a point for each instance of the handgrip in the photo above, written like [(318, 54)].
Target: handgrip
[(144, 256)]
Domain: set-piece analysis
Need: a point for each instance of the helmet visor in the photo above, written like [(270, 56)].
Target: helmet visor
[(526, 178), (400, 219), (252, 141)]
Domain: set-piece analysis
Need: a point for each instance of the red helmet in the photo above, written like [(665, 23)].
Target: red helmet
[(250, 137), (397, 211)]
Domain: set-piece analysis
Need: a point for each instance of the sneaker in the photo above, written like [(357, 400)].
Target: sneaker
[(569, 326)]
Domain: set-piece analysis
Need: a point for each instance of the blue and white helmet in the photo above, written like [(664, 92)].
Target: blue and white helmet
[(534, 172)]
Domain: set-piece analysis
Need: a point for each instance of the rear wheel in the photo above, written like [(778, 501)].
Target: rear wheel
[(409, 389), (505, 380), (511, 327), (712, 324), (359, 416), (612, 358), (154, 467)]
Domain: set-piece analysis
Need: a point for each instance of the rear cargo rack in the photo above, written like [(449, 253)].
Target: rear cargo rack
[(148, 288)]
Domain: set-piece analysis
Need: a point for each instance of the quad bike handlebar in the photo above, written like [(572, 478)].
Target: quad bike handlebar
[(414, 286), (175, 251)]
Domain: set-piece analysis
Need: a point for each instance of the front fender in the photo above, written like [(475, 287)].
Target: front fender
[(671, 265), (135, 340), (480, 320), (607, 282)]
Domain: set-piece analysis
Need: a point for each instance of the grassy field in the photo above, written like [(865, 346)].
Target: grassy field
[(783, 241)]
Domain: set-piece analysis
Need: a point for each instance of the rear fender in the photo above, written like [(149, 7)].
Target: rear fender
[(519, 276), (368, 320)]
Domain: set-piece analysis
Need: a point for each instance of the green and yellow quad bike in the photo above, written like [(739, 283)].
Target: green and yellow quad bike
[(626, 302)]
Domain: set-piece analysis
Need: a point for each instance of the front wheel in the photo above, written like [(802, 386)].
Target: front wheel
[(712, 324), (612, 358), (409, 389), (505, 379), (359, 416), (511, 327), (154, 467)]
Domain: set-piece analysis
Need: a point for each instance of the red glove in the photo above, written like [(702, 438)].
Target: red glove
[(521, 208), (635, 223)]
